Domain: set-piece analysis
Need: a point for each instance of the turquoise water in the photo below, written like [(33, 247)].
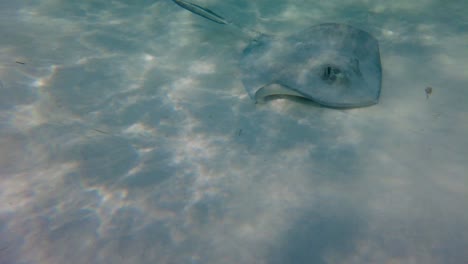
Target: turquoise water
[(126, 136)]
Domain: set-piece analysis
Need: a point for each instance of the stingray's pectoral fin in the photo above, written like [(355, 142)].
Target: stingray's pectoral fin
[(274, 89), (201, 11)]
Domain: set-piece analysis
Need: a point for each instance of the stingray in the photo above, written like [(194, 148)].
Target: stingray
[(335, 65)]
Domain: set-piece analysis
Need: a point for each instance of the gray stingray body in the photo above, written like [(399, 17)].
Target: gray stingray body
[(335, 65)]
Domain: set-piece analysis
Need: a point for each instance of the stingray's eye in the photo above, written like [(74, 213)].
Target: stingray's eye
[(334, 75), (330, 73), (326, 72)]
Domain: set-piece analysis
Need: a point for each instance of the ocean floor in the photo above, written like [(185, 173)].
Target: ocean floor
[(126, 136)]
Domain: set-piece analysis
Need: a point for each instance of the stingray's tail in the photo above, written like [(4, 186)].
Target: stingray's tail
[(201, 11), (210, 15)]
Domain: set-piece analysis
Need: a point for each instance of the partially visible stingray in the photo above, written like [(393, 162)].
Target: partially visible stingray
[(335, 65)]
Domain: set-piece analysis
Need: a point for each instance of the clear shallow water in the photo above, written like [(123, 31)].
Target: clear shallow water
[(127, 137)]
